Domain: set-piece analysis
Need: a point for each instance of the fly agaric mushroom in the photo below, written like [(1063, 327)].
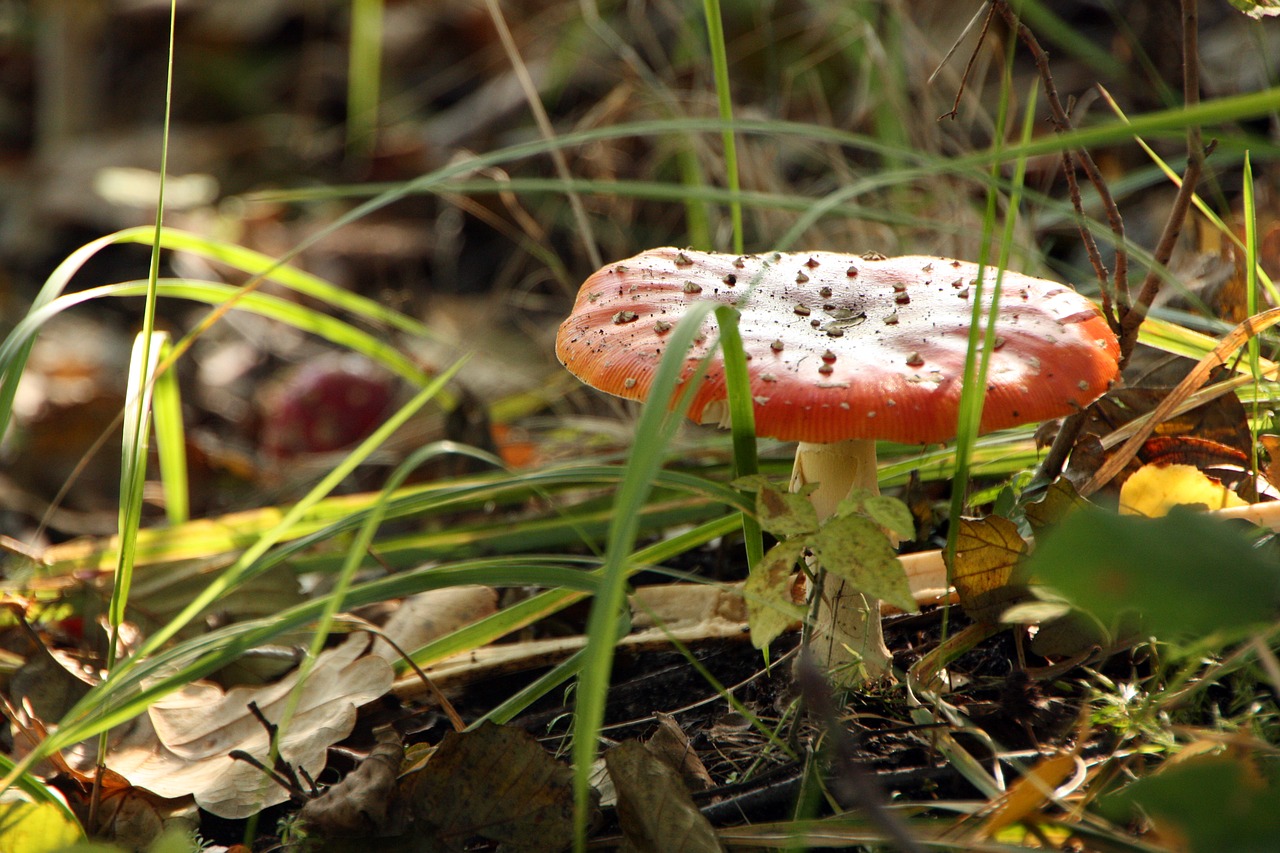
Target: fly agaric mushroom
[(843, 350)]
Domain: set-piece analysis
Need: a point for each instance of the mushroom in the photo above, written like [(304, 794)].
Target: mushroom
[(843, 350)]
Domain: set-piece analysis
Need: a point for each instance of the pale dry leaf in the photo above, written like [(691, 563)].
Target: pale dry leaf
[(183, 746), (1258, 9), (430, 615)]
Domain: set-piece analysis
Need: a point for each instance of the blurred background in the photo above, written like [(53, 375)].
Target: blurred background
[(288, 114)]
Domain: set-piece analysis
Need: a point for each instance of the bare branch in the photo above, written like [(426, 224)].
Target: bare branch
[(1062, 122), (1196, 153)]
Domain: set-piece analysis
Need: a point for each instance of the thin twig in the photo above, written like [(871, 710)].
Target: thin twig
[(544, 126), (968, 66), (1196, 153), (1062, 123), (1090, 245)]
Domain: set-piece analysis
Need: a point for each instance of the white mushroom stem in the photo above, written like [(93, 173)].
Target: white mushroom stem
[(846, 631)]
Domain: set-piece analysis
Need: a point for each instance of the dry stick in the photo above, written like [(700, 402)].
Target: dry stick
[(968, 66), (1065, 440), (544, 127), (1132, 314), (1090, 246)]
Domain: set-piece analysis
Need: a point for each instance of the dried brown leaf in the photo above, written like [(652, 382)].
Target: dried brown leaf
[(986, 552), (361, 803), (496, 783), (656, 811)]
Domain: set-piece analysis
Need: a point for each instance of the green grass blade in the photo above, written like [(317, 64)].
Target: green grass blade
[(724, 102), (171, 440), (742, 420), (135, 449), (658, 422), (301, 317), (1251, 303), (364, 76)]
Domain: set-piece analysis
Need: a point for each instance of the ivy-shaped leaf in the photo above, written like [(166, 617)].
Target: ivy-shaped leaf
[(770, 610), (856, 549), (751, 482), (785, 514), (890, 513)]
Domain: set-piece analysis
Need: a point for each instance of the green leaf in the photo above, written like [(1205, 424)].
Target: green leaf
[(1259, 9), (785, 514), (888, 512), (857, 550), (770, 610), (1211, 803), (1169, 570), (35, 828), (752, 483)]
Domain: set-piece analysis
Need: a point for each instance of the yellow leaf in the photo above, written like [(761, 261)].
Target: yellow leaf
[(1029, 793), (1153, 490), (987, 550)]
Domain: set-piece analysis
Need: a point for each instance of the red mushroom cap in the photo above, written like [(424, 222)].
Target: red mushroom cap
[(842, 346)]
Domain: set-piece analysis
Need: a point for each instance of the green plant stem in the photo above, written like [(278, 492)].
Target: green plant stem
[(364, 76)]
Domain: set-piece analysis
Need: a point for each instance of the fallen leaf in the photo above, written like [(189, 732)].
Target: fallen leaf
[(1059, 499), (429, 615), (492, 782), (27, 827), (1258, 9), (671, 746), (1029, 793), (361, 803), (987, 550), (1153, 490), (655, 810), (182, 745)]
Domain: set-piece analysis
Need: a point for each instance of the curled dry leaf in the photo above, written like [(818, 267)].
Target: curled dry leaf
[(429, 615), (361, 803), (182, 746), (671, 745)]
